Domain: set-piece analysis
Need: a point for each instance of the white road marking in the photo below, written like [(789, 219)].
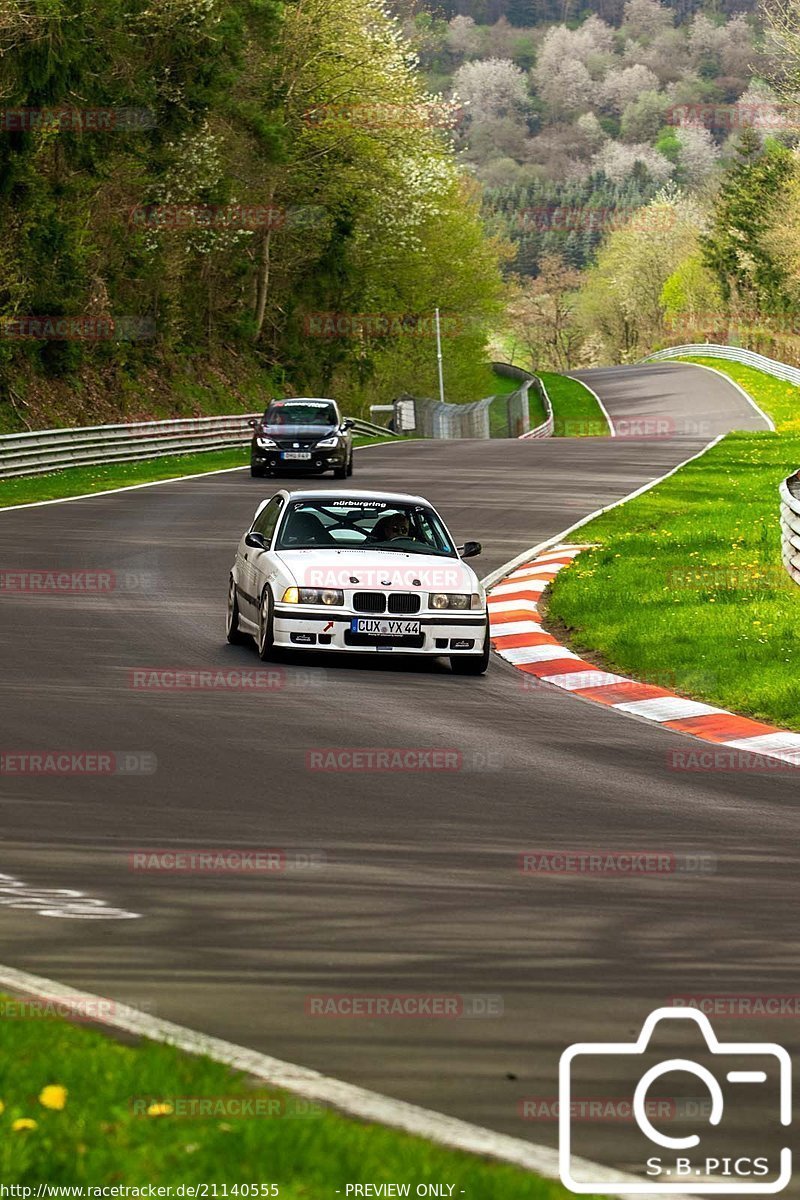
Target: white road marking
[(730, 380), (66, 903), (533, 551), (573, 681), (612, 431), (349, 1099), (135, 487), (668, 708)]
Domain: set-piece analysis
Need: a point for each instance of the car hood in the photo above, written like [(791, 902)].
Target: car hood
[(378, 570), (297, 431)]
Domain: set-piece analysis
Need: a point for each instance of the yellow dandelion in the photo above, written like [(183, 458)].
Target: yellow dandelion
[(23, 1123), (160, 1110), (53, 1096)]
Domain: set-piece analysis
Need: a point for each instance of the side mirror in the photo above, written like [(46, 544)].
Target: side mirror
[(469, 549), (348, 423), (256, 540), (253, 421)]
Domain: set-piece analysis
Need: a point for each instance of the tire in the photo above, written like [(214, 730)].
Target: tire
[(350, 465), (232, 631), (257, 472), (340, 472), (266, 636), (472, 664)]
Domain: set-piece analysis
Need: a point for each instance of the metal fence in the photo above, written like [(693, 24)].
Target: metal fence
[(505, 415), (748, 358), (790, 526), (52, 449)]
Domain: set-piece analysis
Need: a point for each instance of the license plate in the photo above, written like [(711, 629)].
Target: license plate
[(295, 454), (381, 627)]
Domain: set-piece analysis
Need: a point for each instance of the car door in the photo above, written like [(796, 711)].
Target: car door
[(257, 565)]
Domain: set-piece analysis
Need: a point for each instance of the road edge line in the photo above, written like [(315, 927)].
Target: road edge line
[(687, 362), (135, 487), (611, 430), (520, 559), (348, 1098)]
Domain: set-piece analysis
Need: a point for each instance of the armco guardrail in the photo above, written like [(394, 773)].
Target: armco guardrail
[(529, 381), (504, 415), (790, 526), (52, 449), (748, 358)]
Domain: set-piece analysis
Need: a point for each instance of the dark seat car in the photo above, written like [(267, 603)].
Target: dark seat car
[(305, 435)]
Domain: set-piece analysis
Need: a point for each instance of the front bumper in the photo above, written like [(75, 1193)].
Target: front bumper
[(438, 635), (321, 460)]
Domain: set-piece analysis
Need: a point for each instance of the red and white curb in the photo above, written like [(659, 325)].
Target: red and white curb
[(517, 635)]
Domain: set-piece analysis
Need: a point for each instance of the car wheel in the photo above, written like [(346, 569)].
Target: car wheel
[(472, 664), (266, 636), (232, 630), (257, 472), (340, 472), (350, 464)]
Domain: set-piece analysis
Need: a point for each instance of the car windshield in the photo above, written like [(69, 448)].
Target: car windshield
[(307, 412), (375, 525)]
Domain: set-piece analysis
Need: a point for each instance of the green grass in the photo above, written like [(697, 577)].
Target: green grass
[(576, 412), (79, 481), (781, 400), (686, 582), (104, 1135)]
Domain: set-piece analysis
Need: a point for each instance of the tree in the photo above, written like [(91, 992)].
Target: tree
[(644, 20), (491, 87), (749, 272), (541, 315), (622, 301), (619, 160)]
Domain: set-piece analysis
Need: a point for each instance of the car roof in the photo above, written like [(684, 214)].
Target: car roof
[(303, 400), (354, 494)]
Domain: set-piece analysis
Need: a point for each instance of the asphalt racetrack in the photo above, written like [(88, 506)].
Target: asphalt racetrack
[(417, 887)]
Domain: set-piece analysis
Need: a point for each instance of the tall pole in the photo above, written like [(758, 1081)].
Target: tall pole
[(439, 357)]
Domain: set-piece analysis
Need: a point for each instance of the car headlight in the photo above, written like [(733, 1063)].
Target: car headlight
[(265, 443), (295, 595), (328, 443), (454, 600)]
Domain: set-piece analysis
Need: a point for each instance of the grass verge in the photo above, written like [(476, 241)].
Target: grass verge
[(686, 582), (576, 412), (148, 1113), (80, 481)]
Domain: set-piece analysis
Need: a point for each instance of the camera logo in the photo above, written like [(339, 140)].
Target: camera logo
[(758, 1073)]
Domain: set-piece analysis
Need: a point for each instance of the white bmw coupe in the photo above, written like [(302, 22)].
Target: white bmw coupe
[(360, 572)]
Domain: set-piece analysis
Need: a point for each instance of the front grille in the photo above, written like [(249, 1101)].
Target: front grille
[(404, 602), (412, 642), (296, 443), (369, 602)]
